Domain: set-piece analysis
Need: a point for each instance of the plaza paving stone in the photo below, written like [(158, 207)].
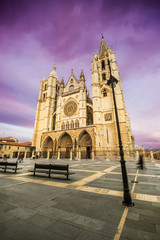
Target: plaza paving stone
[(88, 206)]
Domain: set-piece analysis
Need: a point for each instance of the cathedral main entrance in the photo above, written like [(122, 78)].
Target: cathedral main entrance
[(65, 145), (85, 144), (47, 148)]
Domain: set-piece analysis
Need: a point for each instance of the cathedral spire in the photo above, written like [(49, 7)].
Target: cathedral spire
[(82, 77), (53, 72), (103, 48), (62, 82)]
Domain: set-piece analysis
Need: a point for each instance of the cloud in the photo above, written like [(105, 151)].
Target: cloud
[(23, 134)]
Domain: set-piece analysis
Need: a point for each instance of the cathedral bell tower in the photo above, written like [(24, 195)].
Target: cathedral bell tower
[(46, 107), (103, 107)]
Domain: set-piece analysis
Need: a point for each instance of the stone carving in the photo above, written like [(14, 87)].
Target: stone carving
[(70, 108)]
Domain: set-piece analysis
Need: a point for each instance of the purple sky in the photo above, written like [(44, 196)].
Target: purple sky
[(36, 34)]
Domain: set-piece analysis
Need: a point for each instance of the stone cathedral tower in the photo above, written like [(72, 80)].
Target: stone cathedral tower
[(103, 106), (69, 124)]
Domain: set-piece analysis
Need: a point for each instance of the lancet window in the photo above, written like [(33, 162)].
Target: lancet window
[(103, 76), (103, 65), (104, 92)]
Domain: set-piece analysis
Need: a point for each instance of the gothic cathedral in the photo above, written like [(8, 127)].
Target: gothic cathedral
[(70, 124)]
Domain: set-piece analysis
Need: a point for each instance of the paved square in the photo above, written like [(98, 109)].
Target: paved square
[(88, 206)]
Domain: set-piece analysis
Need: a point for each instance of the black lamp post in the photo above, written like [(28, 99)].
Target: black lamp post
[(127, 201)]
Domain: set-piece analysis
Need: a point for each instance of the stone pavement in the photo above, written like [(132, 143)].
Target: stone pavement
[(86, 207)]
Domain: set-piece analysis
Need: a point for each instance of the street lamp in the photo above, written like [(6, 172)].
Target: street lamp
[(127, 200)]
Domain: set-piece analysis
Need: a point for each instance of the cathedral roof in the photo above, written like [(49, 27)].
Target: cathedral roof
[(103, 48)]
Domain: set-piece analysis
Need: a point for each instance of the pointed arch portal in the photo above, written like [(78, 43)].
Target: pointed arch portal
[(48, 147), (85, 144), (65, 144)]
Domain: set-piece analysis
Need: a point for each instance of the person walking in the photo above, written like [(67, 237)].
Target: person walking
[(140, 163)]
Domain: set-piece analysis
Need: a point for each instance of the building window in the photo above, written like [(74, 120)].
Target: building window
[(57, 88), (67, 125), (72, 125), (103, 76), (77, 124), (71, 88), (103, 65), (63, 126), (104, 92), (45, 87), (54, 122)]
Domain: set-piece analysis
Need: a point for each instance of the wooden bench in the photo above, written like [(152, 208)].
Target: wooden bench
[(41, 168), (61, 169), (51, 169), (3, 165), (9, 166)]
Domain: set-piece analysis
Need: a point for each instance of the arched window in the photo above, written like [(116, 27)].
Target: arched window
[(57, 88), (54, 122), (104, 92), (103, 65), (63, 126), (67, 125), (76, 124), (72, 125), (45, 87), (103, 76), (44, 96)]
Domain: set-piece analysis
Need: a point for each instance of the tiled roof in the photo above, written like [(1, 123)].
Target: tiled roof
[(25, 144), (7, 139)]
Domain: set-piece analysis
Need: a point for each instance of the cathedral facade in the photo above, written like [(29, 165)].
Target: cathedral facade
[(70, 124)]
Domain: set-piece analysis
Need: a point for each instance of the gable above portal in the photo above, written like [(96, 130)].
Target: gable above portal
[(72, 84)]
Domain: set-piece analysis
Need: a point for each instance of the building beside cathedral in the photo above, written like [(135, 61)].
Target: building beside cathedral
[(70, 124)]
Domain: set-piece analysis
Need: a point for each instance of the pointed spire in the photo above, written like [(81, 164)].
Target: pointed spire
[(53, 72), (103, 48), (95, 55), (82, 74), (71, 71), (54, 67), (82, 77), (62, 82), (61, 87)]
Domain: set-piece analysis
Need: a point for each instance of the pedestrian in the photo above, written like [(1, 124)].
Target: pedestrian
[(140, 163), (21, 159), (19, 156)]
